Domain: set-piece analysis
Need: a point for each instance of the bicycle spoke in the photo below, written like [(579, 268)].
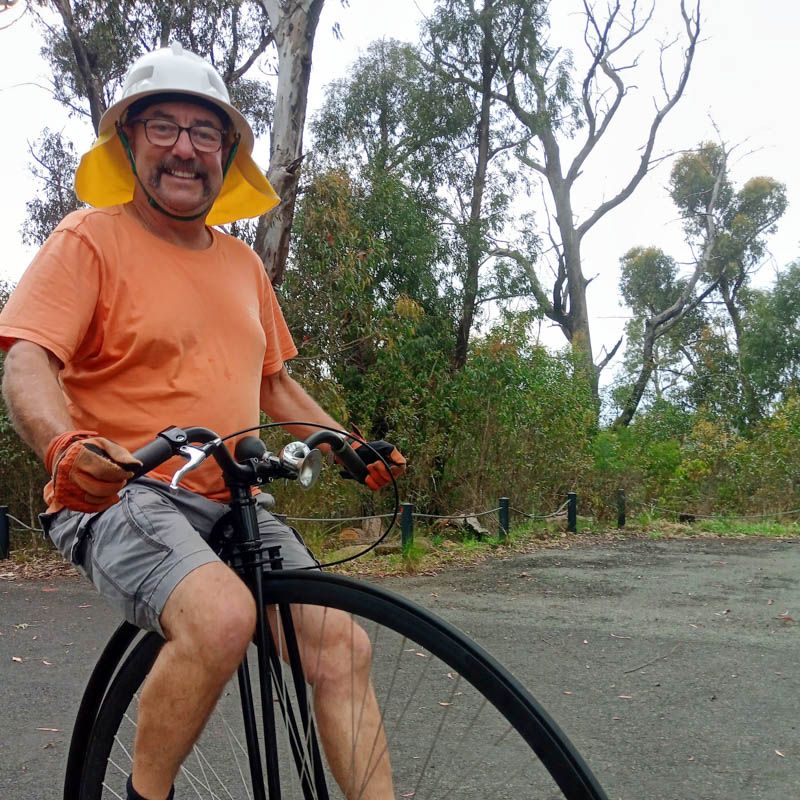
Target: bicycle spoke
[(122, 772), (436, 739), (124, 749), (108, 788), (232, 738)]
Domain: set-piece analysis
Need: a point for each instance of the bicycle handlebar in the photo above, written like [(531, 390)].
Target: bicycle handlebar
[(180, 442), (348, 457)]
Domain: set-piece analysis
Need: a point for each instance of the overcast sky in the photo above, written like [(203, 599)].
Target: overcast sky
[(744, 79)]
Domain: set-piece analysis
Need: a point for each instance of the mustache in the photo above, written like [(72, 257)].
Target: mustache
[(180, 165)]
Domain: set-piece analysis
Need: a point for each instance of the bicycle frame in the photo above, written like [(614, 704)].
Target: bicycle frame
[(245, 554)]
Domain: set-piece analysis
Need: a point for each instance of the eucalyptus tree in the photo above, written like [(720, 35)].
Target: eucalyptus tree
[(458, 41), (650, 281), (564, 111), (53, 167), (772, 337), (294, 26), (399, 115), (726, 230)]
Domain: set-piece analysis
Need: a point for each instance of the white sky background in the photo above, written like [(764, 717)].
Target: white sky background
[(744, 78)]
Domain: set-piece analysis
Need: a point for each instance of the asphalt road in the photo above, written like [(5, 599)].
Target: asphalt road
[(671, 665)]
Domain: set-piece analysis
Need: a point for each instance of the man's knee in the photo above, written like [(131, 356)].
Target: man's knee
[(212, 615), (343, 647)]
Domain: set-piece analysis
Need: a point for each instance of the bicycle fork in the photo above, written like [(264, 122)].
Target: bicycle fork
[(312, 779)]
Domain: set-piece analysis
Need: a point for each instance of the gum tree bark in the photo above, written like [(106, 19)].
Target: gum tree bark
[(294, 24)]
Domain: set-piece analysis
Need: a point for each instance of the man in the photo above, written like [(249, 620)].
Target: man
[(136, 315)]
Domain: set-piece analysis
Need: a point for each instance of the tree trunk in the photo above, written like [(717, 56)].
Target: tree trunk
[(600, 105), (575, 322), (91, 86), (475, 246), (752, 412), (294, 27), (660, 323)]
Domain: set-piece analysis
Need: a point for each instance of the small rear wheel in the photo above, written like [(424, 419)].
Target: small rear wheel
[(456, 723)]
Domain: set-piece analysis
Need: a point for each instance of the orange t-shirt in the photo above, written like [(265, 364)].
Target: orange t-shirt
[(151, 334)]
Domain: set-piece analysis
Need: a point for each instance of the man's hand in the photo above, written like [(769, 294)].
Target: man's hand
[(378, 475), (88, 471)]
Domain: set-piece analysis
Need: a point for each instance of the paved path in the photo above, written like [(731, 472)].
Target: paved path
[(672, 665)]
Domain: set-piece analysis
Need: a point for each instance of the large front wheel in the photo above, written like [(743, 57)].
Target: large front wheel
[(455, 722)]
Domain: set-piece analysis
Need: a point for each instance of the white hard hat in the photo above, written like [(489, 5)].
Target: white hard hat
[(104, 176)]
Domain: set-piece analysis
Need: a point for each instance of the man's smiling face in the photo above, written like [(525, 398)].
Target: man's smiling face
[(181, 178)]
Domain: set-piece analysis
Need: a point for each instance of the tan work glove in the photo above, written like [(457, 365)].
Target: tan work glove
[(88, 471)]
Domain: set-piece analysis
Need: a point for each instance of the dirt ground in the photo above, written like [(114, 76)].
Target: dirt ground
[(672, 665)]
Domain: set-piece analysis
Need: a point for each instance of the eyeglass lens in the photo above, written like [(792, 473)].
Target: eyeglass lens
[(164, 133)]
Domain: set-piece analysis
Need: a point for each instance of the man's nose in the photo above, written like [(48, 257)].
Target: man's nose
[(183, 145)]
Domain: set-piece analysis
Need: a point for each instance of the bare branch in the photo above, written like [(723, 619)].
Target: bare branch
[(611, 353), (536, 287), (692, 25)]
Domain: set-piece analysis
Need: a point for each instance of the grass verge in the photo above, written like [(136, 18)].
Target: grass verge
[(434, 550)]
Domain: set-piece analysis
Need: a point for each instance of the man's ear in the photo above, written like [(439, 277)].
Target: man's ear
[(127, 133)]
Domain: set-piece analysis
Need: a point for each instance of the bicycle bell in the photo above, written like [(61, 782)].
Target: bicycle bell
[(305, 461)]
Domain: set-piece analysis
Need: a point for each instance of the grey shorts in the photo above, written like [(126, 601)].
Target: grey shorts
[(139, 550)]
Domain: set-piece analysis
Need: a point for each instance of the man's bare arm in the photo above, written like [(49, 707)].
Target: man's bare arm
[(33, 395), (283, 399)]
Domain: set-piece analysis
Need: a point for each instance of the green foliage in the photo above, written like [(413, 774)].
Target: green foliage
[(392, 114), (54, 168), (518, 421), (113, 35), (771, 351), (703, 341), (649, 280), (641, 459), (361, 268), (692, 185)]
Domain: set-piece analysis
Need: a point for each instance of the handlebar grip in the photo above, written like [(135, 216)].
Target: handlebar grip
[(152, 455), (351, 461)]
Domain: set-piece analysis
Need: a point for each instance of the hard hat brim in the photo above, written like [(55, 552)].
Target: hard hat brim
[(104, 178)]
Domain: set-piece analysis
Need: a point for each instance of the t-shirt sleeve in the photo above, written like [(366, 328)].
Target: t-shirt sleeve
[(280, 345), (55, 300)]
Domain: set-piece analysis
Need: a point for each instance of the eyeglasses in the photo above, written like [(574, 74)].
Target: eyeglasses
[(163, 133)]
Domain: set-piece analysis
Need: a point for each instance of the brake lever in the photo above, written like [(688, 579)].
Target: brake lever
[(195, 456)]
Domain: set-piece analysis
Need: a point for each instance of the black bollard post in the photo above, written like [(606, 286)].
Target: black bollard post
[(572, 512), (620, 508), (5, 538), (406, 526), (504, 519)]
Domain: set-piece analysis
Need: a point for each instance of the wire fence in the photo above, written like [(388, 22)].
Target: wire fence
[(568, 509), (407, 516)]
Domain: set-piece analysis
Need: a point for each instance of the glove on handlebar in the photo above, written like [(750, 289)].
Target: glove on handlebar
[(88, 471), (378, 475)]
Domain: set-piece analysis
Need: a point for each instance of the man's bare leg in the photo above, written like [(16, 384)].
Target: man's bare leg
[(208, 621), (337, 660)]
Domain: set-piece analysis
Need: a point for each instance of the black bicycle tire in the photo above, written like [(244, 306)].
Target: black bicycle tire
[(551, 746)]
